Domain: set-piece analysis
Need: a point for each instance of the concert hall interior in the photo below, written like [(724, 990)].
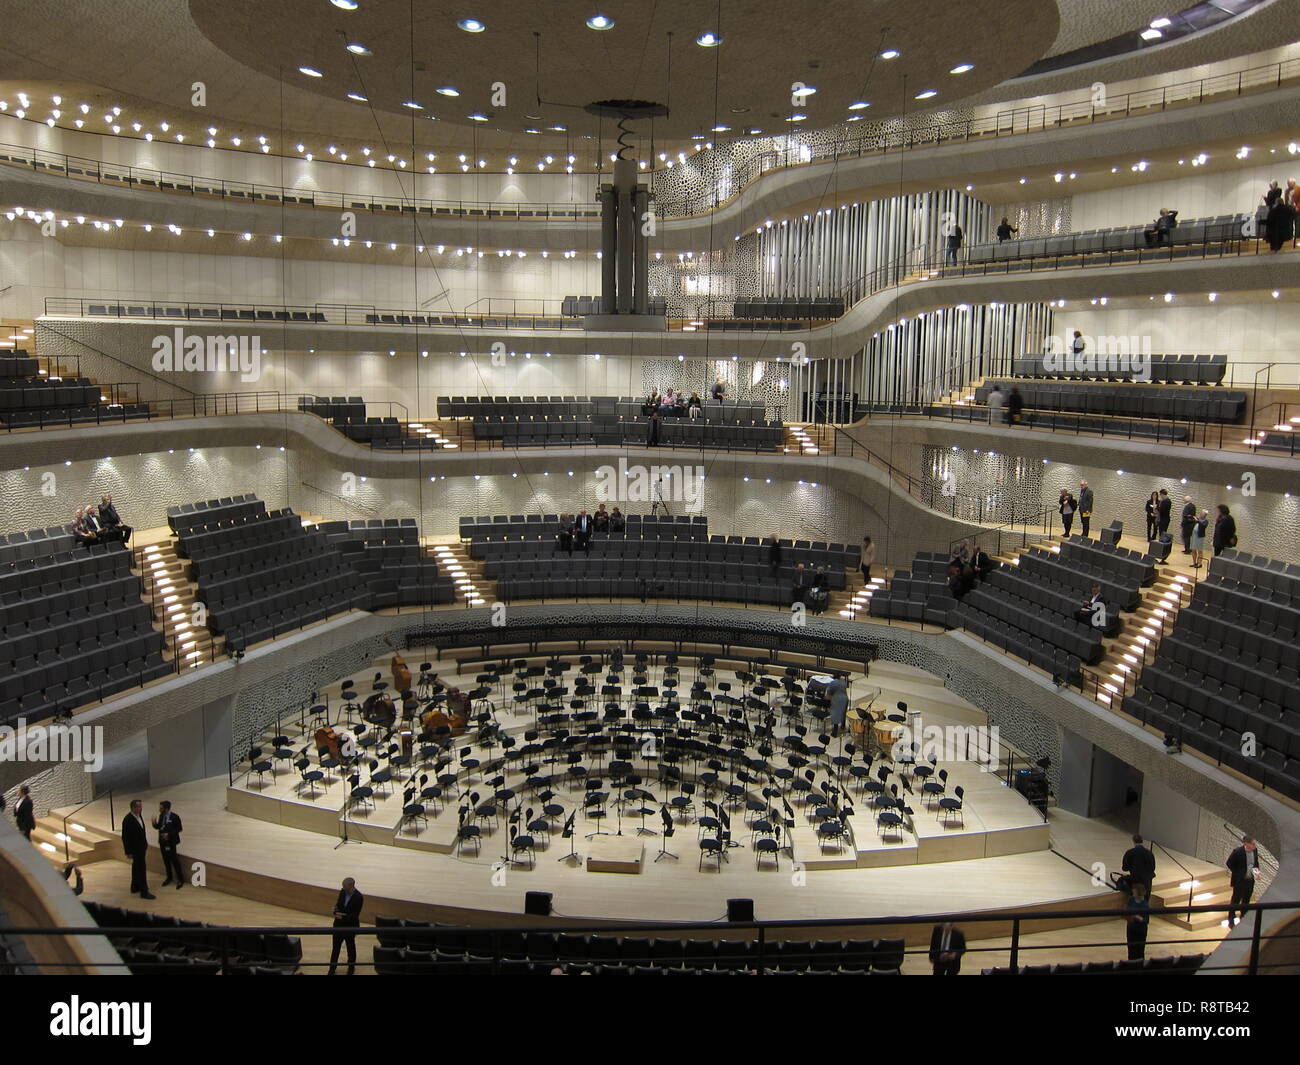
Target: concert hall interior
[(631, 488)]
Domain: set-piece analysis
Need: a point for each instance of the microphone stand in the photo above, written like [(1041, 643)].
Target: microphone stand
[(573, 839), (664, 852)]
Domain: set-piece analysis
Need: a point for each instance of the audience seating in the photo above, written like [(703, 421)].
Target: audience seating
[(1189, 235), (387, 555), (189, 515), (1230, 667), (262, 575), (153, 948), (1168, 965), (1165, 369), (581, 306), (75, 628), (1166, 432), (800, 307), (416, 948), (28, 399), (1130, 401)]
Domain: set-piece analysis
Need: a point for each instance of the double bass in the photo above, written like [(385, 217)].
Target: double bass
[(455, 717), (401, 675)]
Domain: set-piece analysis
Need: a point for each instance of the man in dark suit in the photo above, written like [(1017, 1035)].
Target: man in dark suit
[(802, 582), (1163, 508), (1093, 610), (168, 825), (1243, 865), (1188, 523), (110, 519), (25, 812), (982, 563), (947, 945), (652, 429), (1140, 864), (582, 531), (136, 844), (1085, 506), (347, 914)]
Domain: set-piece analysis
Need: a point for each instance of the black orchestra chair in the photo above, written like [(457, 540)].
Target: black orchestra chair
[(465, 833), (413, 813), (521, 844), (953, 805), (711, 847)]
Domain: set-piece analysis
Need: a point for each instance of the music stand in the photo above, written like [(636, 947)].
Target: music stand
[(567, 832), (664, 852)]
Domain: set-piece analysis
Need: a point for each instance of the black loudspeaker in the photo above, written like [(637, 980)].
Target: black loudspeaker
[(537, 903), (1032, 784), (740, 910)]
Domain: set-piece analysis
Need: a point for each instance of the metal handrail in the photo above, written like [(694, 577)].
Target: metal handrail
[(67, 852), (1012, 121)]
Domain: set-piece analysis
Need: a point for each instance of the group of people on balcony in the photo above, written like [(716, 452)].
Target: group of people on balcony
[(1278, 210), (575, 531), (101, 524)]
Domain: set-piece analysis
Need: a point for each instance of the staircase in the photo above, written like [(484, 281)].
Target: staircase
[(82, 845), (453, 558), (172, 597), (1207, 889), (450, 434), (808, 439)]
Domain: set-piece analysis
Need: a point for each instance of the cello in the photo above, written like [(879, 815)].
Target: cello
[(401, 675)]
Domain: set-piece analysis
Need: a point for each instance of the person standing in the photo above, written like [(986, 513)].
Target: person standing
[(1015, 404), (773, 556), (1085, 506), (955, 238), (1225, 530), (719, 390), (1078, 346), (947, 945), (652, 430), (1243, 865), (995, 403), (838, 694), (582, 530), (1197, 540), (25, 812), (802, 582), (1140, 863), (347, 914), (1006, 230), (135, 842), (1187, 523), (168, 825), (1164, 509), (1152, 509), (1067, 506), (868, 558), (1137, 915)]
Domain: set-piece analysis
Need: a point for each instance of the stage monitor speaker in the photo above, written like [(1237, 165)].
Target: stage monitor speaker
[(740, 910), (537, 903)]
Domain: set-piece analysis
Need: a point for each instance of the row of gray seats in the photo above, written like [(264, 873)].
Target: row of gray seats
[(1163, 369), (390, 561), (188, 515), (1120, 564), (579, 306), (1117, 238), (789, 307), (207, 312), (1133, 401), (1269, 574), (18, 364), (516, 526), (36, 543)]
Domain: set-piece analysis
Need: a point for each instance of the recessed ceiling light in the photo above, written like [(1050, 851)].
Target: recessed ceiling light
[(358, 49), (447, 90), (721, 129), (708, 40), (600, 22), (860, 105), (471, 25), (1159, 23), (1150, 34), (796, 118), (311, 72), (961, 68), (476, 117), (807, 90), (412, 105), (890, 53), (926, 94), (559, 129), (346, 5), (356, 96)]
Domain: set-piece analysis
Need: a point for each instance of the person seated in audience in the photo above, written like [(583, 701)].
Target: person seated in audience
[(81, 529), (668, 400), (651, 402), (961, 553), (773, 555), (1006, 230), (1093, 610), (111, 520), (719, 390), (679, 404), (819, 593), (582, 527), (1159, 231), (960, 579), (617, 522), (799, 588), (982, 562), (564, 538), (600, 520), (693, 405)]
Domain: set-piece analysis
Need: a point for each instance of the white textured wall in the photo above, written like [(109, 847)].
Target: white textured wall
[(1250, 334), (1193, 192)]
